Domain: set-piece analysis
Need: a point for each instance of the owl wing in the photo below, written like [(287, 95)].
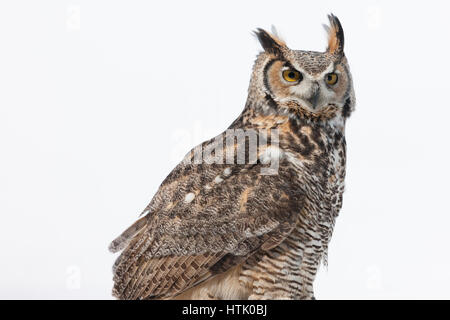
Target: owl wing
[(203, 220)]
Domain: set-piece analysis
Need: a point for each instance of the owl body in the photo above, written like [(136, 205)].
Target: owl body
[(221, 230), (287, 271)]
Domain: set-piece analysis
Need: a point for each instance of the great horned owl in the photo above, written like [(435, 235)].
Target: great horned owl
[(230, 230)]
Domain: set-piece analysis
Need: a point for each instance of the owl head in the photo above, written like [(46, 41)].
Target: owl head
[(314, 84)]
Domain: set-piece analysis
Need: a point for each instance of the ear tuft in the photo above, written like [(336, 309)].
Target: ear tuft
[(335, 36), (270, 43), (277, 35)]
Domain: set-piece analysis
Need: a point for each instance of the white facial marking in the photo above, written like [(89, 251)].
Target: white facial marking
[(329, 69), (218, 179), (189, 197)]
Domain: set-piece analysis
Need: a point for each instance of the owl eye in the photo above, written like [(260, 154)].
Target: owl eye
[(292, 75), (331, 78)]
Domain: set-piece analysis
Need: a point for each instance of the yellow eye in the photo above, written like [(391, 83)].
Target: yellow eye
[(292, 75), (331, 78)]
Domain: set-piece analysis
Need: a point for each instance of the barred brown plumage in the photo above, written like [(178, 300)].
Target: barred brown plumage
[(220, 230)]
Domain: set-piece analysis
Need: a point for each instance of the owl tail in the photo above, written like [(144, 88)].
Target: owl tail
[(121, 241)]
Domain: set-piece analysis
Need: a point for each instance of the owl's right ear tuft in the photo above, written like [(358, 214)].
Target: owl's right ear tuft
[(270, 43)]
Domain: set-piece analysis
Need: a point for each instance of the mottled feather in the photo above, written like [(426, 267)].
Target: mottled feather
[(228, 231)]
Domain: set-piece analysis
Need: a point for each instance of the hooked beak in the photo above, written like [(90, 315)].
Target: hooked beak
[(315, 94)]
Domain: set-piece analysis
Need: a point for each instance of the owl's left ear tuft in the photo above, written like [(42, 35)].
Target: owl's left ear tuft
[(271, 43), (335, 36)]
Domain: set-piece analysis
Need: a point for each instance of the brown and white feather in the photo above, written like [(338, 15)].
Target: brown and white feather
[(226, 231)]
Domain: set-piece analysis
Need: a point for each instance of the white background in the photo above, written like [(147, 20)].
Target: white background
[(100, 99)]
